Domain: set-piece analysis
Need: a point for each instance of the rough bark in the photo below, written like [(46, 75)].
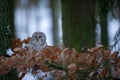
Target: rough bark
[(5, 36)]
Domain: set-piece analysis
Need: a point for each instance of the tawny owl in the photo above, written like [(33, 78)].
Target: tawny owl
[(37, 42)]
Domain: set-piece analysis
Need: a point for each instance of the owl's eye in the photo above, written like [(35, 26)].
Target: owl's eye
[(39, 36), (35, 36)]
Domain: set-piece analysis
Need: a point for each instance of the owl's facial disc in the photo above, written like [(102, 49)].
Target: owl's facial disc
[(37, 38)]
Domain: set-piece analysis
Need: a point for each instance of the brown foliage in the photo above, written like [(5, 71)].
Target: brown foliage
[(92, 61)]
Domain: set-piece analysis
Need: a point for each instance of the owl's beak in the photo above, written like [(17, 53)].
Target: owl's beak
[(37, 39)]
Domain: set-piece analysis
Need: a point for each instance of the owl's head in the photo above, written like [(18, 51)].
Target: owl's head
[(38, 37)]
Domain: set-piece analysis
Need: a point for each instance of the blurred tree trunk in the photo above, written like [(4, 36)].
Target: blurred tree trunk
[(11, 16), (5, 36), (103, 21), (56, 8), (78, 23)]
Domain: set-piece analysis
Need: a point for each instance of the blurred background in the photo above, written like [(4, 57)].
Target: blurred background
[(77, 24), (83, 22), (38, 15)]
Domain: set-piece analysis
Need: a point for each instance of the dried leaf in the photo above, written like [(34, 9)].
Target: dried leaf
[(72, 71), (114, 55), (104, 73)]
